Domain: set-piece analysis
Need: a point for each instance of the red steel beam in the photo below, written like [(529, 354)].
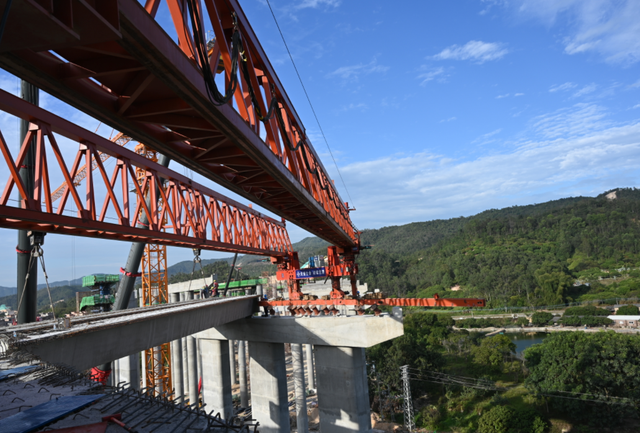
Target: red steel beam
[(189, 214), (391, 302), (128, 73)]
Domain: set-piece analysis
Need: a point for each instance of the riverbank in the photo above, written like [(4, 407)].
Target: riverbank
[(550, 329)]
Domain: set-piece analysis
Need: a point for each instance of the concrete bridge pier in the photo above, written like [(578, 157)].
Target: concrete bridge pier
[(176, 359), (310, 367), (269, 397), (127, 370), (232, 362), (185, 357), (242, 369), (216, 382), (341, 374), (343, 391)]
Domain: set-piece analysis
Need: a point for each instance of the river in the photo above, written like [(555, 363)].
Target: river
[(524, 340)]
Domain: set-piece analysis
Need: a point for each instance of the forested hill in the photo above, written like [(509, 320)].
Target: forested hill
[(523, 255)]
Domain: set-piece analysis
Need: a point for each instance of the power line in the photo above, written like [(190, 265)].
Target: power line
[(446, 379), (309, 100)]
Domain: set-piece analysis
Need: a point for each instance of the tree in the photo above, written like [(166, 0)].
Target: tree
[(493, 351), (541, 318), (603, 366), (496, 420), (416, 348), (503, 419), (628, 310)]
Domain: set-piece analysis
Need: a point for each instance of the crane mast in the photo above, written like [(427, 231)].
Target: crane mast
[(157, 359)]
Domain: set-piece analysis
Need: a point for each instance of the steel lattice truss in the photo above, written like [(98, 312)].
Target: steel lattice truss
[(112, 60), (192, 215)]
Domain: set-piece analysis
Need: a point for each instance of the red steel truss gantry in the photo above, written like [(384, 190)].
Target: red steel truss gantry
[(191, 215), (112, 60)]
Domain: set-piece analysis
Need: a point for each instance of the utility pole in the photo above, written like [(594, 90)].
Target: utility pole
[(27, 281), (408, 404)]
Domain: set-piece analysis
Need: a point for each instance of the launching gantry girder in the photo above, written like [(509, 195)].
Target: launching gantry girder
[(112, 60), (191, 215)]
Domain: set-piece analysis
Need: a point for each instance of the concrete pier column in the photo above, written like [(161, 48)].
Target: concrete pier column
[(232, 362), (192, 362), (142, 355), (177, 374), (302, 420), (192, 365), (269, 387), (242, 368), (129, 371), (185, 368), (343, 394), (216, 382), (310, 368)]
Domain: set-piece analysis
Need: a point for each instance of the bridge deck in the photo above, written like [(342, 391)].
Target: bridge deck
[(95, 339)]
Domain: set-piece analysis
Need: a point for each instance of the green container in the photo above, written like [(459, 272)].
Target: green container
[(92, 280)]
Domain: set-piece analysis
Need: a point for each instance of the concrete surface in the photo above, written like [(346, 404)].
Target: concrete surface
[(343, 392), (351, 331), (269, 398), (216, 382), (105, 339)]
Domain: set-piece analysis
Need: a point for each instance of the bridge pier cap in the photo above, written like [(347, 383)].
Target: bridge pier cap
[(350, 331)]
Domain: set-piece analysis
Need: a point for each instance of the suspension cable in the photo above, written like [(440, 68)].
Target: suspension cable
[(40, 253)]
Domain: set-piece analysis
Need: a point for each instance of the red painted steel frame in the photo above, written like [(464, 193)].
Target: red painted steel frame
[(112, 60), (193, 215), (394, 302)]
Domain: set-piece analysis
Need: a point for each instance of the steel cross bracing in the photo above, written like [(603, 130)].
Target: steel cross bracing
[(112, 60), (191, 215)]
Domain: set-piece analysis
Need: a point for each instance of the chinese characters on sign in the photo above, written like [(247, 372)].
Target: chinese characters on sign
[(311, 273)]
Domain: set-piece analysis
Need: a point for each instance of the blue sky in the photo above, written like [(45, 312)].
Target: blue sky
[(437, 109)]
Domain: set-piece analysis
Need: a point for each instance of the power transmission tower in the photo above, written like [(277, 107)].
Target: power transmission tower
[(408, 404)]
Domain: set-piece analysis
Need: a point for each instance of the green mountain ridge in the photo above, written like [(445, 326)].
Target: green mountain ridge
[(520, 256)]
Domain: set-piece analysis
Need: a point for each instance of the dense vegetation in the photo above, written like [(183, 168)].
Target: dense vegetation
[(539, 255), (600, 372), (60, 295), (464, 382)]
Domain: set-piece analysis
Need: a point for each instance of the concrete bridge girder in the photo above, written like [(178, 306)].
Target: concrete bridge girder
[(111, 336)]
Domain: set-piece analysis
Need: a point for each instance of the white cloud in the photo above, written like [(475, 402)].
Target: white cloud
[(427, 74), (353, 72), (578, 120), (486, 138), (535, 171), (636, 106), (359, 106), (608, 28), (477, 51), (316, 3), (586, 90), (450, 119), (506, 95), (562, 87)]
